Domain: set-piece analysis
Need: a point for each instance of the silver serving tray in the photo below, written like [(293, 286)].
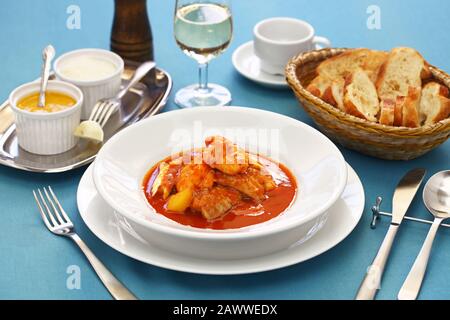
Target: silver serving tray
[(145, 99)]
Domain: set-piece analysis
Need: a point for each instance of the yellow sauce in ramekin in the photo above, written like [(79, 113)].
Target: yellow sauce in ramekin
[(54, 102)]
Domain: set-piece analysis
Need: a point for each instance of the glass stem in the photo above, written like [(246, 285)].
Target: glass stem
[(203, 77)]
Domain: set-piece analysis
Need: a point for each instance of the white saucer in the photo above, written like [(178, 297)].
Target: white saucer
[(248, 65), (115, 232)]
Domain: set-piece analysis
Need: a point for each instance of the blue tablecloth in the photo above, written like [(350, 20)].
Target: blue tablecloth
[(33, 262)]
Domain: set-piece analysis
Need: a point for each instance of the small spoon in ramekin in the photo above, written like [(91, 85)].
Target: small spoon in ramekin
[(436, 197), (47, 56)]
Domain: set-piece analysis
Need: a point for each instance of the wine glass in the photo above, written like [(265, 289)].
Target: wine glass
[(203, 30)]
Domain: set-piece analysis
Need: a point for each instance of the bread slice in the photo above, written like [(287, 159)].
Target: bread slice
[(330, 91), (411, 118), (398, 110), (404, 68), (334, 94), (434, 104), (341, 66), (372, 65), (318, 85), (360, 96), (387, 112)]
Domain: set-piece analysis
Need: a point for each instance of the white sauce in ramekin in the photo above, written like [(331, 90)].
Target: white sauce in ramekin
[(87, 68), (97, 72)]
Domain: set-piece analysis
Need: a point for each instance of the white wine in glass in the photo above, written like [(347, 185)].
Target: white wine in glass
[(203, 30)]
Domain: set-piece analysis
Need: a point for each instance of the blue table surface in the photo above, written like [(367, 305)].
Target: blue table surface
[(33, 262)]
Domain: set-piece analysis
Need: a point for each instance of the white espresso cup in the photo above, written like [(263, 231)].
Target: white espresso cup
[(276, 40)]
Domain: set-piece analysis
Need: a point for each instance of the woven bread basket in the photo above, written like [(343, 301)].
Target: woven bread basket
[(374, 139)]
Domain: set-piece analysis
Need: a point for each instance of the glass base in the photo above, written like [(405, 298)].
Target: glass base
[(192, 96)]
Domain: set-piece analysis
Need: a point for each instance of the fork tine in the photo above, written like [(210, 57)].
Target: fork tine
[(94, 111), (99, 112), (41, 211), (49, 213), (55, 210), (63, 212), (47, 209), (104, 112), (108, 114), (99, 107)]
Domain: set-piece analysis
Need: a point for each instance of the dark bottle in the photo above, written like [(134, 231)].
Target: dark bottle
[(131, 35)]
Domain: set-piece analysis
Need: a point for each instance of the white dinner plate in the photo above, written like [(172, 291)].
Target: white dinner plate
[(248, 64), (114, 230)]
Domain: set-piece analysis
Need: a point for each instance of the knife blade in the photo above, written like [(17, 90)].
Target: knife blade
[(405, 192), (403, 196)]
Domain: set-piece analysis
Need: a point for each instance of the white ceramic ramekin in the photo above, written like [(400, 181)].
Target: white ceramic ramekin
[(43, 132), (93, 90)]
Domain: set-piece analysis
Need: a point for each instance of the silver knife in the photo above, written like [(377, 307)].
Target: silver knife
[(403, 196)]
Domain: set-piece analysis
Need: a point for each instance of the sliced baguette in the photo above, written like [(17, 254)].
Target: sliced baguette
[(360, 96), (404, 68), (330, 91), (318, 85), (341, 66), (387, 114), (434, 104), (411, 118), (398, 111), (372, 65), (334, 94)]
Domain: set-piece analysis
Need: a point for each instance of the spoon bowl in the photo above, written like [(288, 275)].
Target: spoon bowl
[(436, 195)]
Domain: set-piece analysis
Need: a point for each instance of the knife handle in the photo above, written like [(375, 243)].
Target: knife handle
[(372, 280)]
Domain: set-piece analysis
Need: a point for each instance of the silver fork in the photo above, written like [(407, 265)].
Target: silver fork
[(57, 221), (104, 108)]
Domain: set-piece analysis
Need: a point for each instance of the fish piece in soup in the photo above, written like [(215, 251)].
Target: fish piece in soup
[(225, 156), (195, 176), (252, 183), (215, 202), (263, 176)]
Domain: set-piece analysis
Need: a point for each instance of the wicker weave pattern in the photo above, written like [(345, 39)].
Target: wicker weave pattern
[(374, 139)]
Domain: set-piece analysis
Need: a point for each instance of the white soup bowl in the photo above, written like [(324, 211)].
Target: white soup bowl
[(316, 163)]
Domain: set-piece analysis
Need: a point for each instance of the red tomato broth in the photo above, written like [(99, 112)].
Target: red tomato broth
[(245, 214)]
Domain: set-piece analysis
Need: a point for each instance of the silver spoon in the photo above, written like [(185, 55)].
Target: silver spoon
[(47, 56), (436, 197)]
